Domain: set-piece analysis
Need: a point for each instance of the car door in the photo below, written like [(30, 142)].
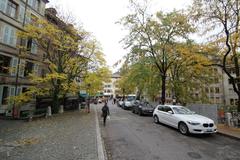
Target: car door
[(170, 117), (160, 110)]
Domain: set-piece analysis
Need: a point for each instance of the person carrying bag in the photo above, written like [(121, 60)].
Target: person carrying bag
[(105, 113)]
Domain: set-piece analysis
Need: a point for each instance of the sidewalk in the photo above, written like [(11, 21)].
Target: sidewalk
[(69, 136), (229, 131)]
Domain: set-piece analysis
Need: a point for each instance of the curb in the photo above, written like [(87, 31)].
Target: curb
[(227, 135), (100, 146)]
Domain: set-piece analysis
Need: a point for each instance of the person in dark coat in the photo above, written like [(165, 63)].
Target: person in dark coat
[(105, 113), (88, 105)]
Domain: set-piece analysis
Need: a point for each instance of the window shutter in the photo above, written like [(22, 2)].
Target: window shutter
[(28, 18), (34, 47), (3, 5), (13, 37), (21, 13), (21, 68), (42, 7), (19, 90), (30, 2), (12, 91), (6, 36), (14, 64), (36, 67), (1, 33)]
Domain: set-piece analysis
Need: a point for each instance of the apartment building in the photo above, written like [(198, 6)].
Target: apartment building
[(111, 89), (14, 66)]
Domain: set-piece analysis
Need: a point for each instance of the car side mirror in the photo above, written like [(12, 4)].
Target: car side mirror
[(171, 112)]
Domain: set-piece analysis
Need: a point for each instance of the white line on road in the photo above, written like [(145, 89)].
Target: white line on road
[(99, 138)]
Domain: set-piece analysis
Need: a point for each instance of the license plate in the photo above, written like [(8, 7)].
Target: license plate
[(209, 130)]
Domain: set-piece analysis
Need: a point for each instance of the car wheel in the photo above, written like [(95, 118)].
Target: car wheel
[(156, 120), (183, 128), (133, 111)]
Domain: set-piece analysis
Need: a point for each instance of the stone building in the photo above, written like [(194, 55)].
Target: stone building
[(111, 89), (14, 67)]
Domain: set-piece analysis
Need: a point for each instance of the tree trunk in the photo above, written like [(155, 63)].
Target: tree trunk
[(163, 98), (56, 102), (238, 105)]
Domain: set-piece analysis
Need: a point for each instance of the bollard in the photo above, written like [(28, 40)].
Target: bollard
[(61, 110), (79, 106), (228, 118), (49, 111)]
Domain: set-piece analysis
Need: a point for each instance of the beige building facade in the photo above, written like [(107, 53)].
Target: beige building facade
[(14, 65)]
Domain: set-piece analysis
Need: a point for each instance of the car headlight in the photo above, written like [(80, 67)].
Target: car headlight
[(193, 123)]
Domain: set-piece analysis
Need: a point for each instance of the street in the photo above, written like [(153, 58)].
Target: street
[(128, 136)]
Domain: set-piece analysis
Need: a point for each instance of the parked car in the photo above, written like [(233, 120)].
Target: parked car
[(143, 108), (183, 119), (120, 102)]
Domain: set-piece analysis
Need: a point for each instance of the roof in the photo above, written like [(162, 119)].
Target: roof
[(170, 105)]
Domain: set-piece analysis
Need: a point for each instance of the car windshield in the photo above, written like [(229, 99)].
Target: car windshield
[(146, 104), (130, 98), (182, 110)]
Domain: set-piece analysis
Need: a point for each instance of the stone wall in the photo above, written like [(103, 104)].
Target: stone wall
[(207, 110)]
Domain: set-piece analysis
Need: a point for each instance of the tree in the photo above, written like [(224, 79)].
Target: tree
[(155, 37), (222, 17), (189, 75), (141, 77), (93, 82), (68, 54)]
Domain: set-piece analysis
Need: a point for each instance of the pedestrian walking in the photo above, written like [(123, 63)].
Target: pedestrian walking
[(114, 100), (88, 105), (105, 113)]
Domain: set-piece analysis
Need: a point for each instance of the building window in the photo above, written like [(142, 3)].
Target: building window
[(11, 9), (4, 95), (236, 102), (206, 90), (211, 90), (28, 68), (231, 101), (217, 90), (32, 46), (9, 35), (34, 4), (217, 100), (212, 99), (5, 63)]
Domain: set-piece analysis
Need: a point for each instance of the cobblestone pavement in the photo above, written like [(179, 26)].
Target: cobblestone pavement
[(68, 136)]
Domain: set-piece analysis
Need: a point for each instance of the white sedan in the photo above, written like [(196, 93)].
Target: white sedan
[(183, 119)]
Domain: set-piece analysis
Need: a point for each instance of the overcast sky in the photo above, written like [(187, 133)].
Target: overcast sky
[(99, 17)]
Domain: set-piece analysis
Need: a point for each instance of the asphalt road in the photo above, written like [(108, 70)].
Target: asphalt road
[(128, 136)]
